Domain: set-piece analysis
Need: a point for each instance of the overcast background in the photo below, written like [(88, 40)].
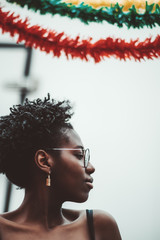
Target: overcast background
[(117, 115)]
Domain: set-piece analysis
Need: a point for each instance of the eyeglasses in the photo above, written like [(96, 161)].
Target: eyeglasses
[(86, 153)]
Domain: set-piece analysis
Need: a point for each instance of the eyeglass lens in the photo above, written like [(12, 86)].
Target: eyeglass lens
[(87, 157)]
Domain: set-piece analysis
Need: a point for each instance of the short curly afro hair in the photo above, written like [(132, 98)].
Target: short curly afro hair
[(31, 126)]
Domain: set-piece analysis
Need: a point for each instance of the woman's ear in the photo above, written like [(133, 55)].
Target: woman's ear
[(44, 161)]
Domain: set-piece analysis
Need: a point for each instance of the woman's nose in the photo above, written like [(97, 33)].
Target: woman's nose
[(90, 169)]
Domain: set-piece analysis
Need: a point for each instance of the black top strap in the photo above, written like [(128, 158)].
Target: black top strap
[(90, 224)]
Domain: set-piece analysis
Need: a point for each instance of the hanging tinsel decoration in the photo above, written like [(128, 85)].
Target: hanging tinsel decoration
[(56, 43), (114, 14), (48, 4), (127, 4)]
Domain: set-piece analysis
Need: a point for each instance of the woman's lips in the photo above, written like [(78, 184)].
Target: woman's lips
[(89, 184)]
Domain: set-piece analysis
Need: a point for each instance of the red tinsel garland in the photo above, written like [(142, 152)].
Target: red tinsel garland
[(50, 41)]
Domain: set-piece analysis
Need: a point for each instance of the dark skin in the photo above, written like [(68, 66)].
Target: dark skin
[(41, 215)]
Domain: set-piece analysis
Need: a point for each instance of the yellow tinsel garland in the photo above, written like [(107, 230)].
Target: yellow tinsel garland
[(139, 4)]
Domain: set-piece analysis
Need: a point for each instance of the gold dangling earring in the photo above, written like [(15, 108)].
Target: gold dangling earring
[(48, 180)]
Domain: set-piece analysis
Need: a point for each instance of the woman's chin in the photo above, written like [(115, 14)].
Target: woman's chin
[(82, 198), (79, 197)]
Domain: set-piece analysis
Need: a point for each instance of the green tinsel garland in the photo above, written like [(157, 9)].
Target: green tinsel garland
[(113, 15)]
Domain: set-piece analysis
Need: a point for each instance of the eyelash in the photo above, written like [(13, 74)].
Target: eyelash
[(79, 156)]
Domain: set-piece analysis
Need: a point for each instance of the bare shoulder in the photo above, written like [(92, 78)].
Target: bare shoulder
[(105, 225)]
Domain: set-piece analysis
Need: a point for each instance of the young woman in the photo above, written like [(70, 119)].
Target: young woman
[(41, 152)]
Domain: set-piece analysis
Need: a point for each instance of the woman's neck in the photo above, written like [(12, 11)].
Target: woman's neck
[(41, 206)]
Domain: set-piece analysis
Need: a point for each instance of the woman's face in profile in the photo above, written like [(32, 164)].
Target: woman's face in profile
[(70, 179)]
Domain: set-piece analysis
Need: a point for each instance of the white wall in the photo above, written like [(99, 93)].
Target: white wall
[(117, 115)]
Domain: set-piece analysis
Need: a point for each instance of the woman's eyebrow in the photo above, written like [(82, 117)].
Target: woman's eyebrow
[(79, 146)]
